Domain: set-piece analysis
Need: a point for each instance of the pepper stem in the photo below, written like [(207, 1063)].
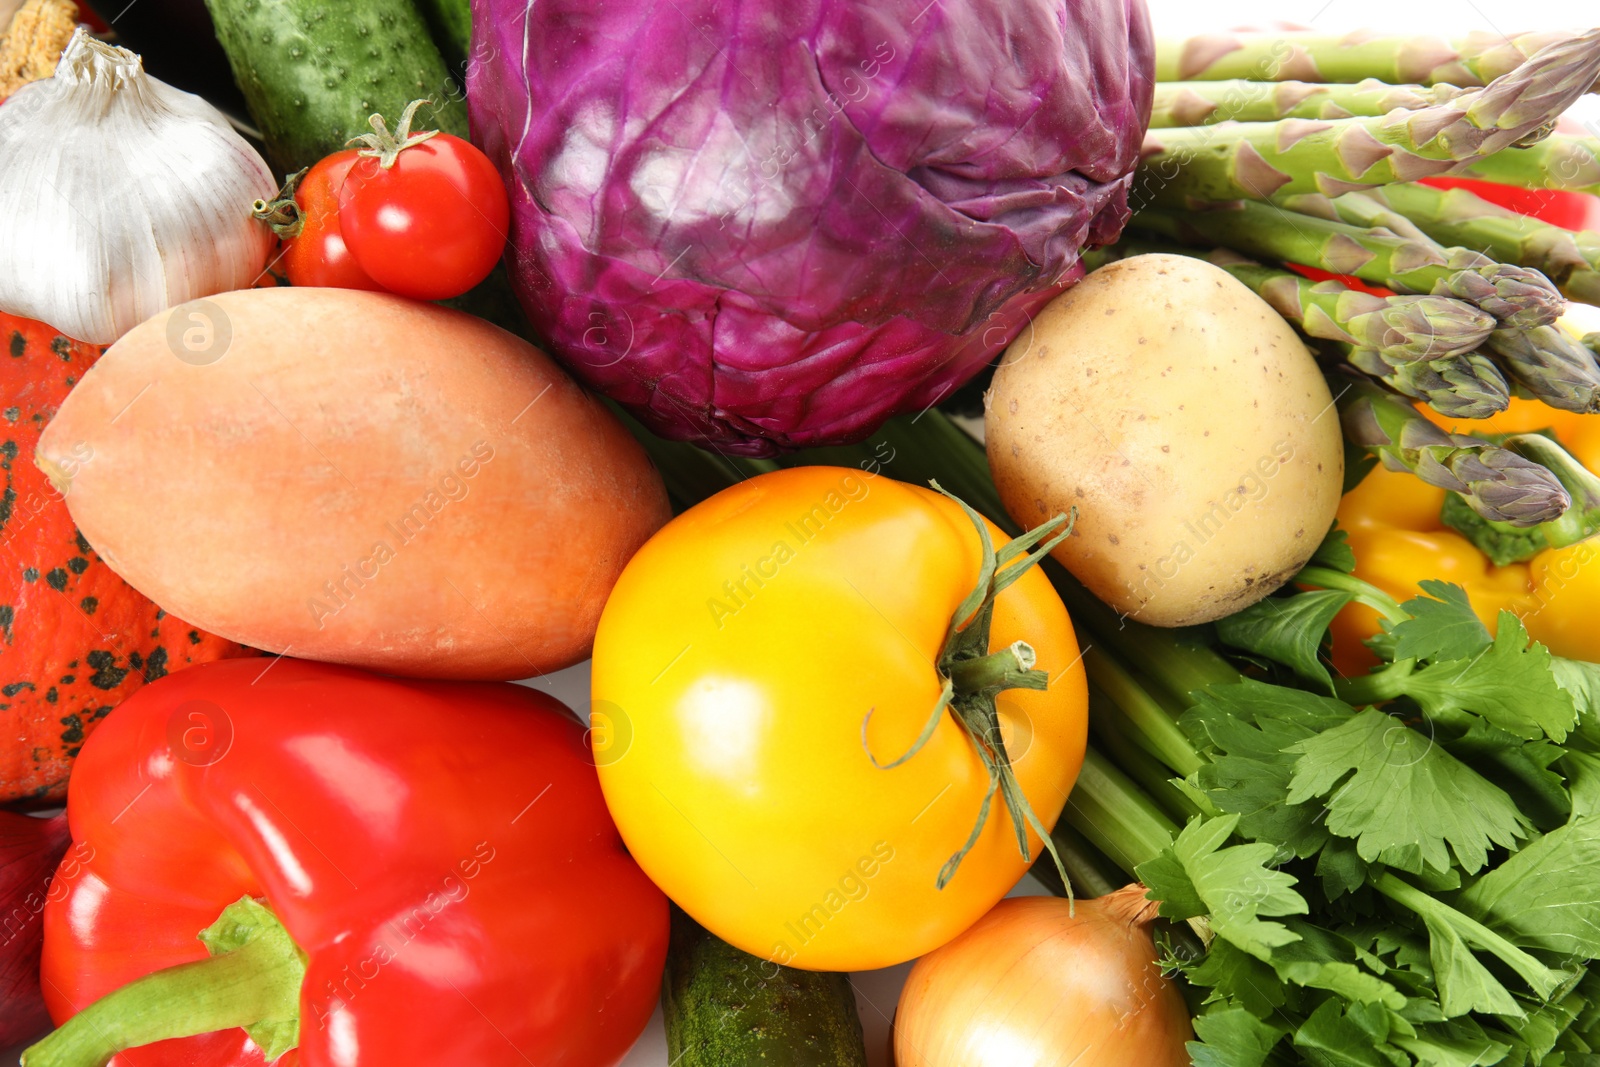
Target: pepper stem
[(974, 676), (252, 980)]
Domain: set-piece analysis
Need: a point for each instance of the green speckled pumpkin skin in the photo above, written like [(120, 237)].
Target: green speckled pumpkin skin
[(75, 639)]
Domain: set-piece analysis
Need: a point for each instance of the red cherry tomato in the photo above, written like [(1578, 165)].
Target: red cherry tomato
[(319, 256), (432, 224), (1559, 207)]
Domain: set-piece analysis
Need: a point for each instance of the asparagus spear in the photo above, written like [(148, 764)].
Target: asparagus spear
[(1520, 298), (1265, 159), (1466, 386), (1551, 364), (1504, 543), (1569, 258), (1517, 296), (1497, 483), (1474, 60), (1198, 103), (1560, 161), (1403, 328), (1579, 522), (1514, 295)]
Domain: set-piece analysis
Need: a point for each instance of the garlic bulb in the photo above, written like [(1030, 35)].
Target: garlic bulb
[(121, 196)]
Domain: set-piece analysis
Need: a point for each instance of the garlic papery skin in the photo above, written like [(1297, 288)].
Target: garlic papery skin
[(121, 196)]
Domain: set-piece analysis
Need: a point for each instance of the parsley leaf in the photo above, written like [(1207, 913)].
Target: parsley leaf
[(1288, 630), (1464, 984), (1521, 768), (1218, 707), (1407, 798), (1510, 683), (1543, 1026), (1335, 552), (1581, 680), (1543, 896), (1248, 727), (1232, 1037), (1340, 867), (1321, 959), (1357, 1037), (1231, 884), (1457, 1044), (1442, 625), (1235, 976)]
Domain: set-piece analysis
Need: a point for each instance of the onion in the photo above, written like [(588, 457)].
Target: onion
[(1033, 984)]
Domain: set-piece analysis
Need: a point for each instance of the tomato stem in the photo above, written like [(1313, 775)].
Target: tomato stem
[(1010, 668), (386, 146), (252, 980), (282, 213), (975, 676)]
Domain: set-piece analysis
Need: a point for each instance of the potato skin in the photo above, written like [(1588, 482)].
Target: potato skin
[(1188, 424), (358, 478)]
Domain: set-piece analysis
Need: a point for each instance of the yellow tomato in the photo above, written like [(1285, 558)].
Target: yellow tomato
[(761, 657)]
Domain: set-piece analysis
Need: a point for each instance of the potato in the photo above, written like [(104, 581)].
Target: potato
[(1186, 422), (356, 477)]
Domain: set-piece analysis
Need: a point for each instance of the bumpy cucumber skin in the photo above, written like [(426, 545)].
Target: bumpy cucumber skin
[(726, 1008), (451, 23), (314, 71)]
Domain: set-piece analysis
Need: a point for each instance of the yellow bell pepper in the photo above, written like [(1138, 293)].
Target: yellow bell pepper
[(1392, 520)]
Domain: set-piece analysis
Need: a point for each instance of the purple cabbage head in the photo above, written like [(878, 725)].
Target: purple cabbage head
[(777, 223)]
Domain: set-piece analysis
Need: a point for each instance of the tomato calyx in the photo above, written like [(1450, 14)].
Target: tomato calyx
[(974, 677), (385, 146), (282, 214)]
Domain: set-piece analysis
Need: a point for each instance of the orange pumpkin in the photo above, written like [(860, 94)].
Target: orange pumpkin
[(75, 639)]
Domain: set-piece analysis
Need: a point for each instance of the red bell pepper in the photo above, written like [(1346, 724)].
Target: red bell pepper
[(450, 886), (1559, 207)]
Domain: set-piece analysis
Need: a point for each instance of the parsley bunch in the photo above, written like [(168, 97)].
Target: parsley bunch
[(1392, 870)]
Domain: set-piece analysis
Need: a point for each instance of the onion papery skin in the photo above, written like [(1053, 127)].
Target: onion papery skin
[(1044, 982)]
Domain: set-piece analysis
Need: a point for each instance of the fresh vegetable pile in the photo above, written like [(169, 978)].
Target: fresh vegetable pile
[(1245, 601)]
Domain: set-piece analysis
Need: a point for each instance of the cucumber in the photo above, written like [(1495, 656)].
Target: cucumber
[(726, 1008), (313, 71), (451, 23)]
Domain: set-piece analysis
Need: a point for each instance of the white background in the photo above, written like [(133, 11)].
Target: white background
[(877, 991)]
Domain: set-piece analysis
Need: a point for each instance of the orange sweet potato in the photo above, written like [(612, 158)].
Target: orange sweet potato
[(355, 477)]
